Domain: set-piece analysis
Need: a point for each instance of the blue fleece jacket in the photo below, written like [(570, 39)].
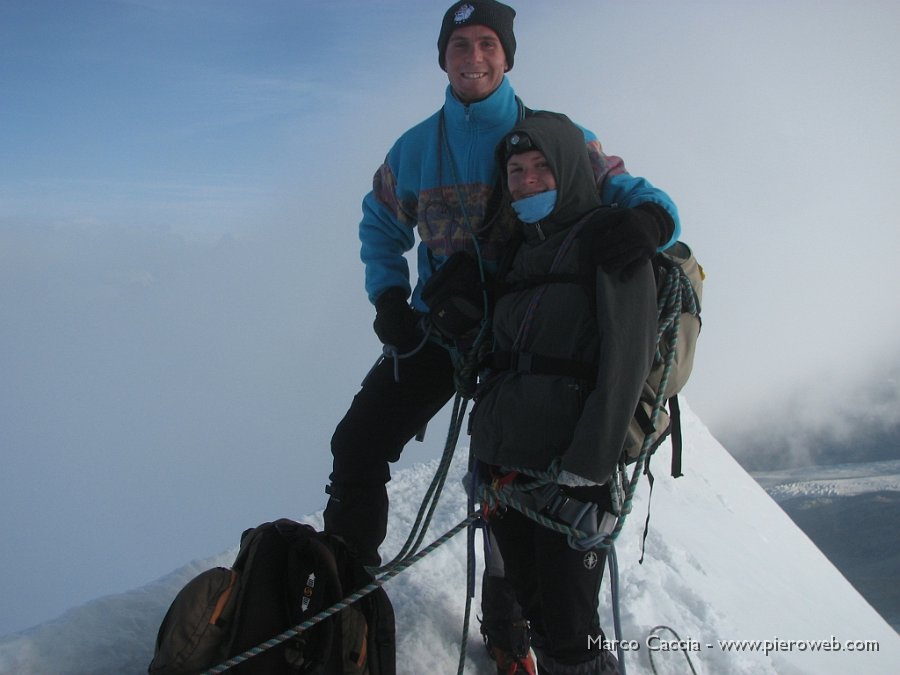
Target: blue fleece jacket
[(438, 179)]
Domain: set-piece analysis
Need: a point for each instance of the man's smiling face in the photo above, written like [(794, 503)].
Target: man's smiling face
[(475, 63)]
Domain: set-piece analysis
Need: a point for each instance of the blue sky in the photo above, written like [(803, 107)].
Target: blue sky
[(170, 107), (180, 183)]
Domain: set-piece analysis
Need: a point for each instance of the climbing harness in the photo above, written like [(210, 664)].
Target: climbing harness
[(545, 501)]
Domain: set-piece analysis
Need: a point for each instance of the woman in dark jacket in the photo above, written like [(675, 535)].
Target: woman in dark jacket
[(571, 353)]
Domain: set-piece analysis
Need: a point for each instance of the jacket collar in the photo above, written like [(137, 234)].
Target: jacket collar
[(499, 109)]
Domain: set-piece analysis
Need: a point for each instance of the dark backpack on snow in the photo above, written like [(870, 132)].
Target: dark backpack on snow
[(284, 574)]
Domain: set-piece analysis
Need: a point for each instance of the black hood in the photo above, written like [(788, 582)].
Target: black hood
[(562, 143)]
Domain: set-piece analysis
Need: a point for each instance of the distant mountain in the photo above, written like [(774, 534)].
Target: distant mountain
[(851, 512)]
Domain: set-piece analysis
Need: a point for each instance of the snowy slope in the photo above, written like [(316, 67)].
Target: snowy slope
[(723, 563)]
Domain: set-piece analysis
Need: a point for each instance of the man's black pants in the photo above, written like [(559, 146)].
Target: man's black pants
[(383, 418)]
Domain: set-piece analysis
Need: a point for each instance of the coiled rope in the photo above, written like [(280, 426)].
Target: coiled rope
[(433, 493), (613, 562)]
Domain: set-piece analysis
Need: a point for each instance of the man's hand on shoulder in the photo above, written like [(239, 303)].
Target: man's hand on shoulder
[(620, 240)]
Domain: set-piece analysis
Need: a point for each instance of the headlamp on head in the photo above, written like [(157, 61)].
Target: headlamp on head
[(517, 142)]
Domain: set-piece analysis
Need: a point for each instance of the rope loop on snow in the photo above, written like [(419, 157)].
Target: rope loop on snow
[(652, 633)]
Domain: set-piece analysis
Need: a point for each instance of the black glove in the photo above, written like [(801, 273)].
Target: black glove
[(455, 297), (396, 323), (623, 239)]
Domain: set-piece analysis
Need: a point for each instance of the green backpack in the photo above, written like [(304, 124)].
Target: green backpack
[(679, 283)]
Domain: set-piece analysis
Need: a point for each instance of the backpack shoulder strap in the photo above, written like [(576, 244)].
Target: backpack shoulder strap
[(524, 111), (675, 417), (287, 576), (375, 606)]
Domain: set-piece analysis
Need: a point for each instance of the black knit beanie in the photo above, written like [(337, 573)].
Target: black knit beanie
[(495, 15)]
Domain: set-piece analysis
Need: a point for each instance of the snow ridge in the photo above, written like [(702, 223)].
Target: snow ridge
[(723, 562)]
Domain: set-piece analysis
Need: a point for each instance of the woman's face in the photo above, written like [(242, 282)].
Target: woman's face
[(528, 173)]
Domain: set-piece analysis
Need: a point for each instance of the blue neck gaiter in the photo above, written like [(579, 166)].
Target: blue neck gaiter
[(535, 207)]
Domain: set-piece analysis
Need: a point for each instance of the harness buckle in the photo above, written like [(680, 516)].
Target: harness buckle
[(521, 361)]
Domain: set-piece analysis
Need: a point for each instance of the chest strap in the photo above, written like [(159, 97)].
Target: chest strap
[(538, 364)]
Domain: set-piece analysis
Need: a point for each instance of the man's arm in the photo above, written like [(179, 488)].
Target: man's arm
[(384, 238), (619, 187)]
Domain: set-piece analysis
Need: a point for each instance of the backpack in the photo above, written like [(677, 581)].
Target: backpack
[(284, 574), (679, 285)]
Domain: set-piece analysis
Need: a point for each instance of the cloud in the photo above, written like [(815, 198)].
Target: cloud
[(143, 370), (834, 418)]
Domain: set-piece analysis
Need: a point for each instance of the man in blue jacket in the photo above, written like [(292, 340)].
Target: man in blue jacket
[(440, 180)]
